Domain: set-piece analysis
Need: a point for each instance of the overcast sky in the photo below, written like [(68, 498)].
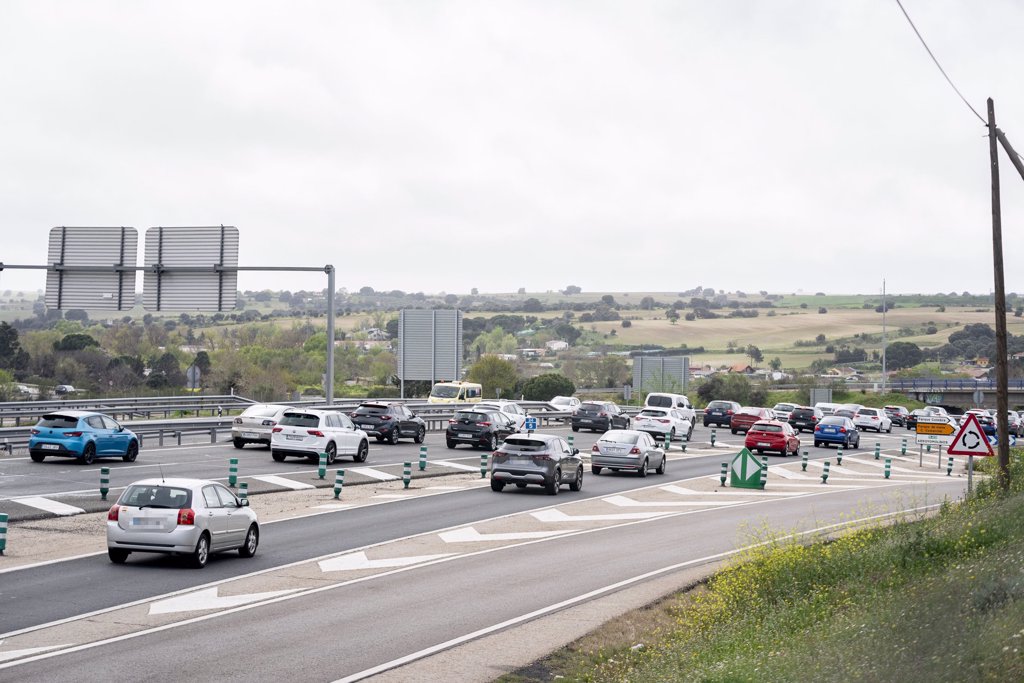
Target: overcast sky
[(440, 146)]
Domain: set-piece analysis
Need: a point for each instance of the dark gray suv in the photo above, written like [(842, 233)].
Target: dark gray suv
[(541, 459)]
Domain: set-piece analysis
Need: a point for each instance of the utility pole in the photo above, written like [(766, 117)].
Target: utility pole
[(1002, 375), (884, 308)]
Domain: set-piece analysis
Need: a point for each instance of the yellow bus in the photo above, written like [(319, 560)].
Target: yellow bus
[(456, 392)]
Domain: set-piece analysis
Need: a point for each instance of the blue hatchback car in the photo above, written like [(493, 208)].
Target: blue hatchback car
[(83, 435), (838, 430)]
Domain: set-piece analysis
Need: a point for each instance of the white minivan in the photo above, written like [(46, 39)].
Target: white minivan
[(664, 400)]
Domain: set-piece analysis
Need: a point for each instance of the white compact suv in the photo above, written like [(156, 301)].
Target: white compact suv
[(306, 433)]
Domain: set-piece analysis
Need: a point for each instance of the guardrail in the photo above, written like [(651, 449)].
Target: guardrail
[(951, 384), (23, 412)]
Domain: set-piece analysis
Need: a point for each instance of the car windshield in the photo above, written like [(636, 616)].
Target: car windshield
[(300, 420), (156, 496), (619, 437), (58, 421), (653, 413), (524, 445), (444, 392), (472, 417), (371, 410), (765, 427)]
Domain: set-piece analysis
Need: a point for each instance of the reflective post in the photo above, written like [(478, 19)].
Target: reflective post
[(903, 446), (712, 436), (878, 449), (803, 461), (406, 474), (104, 482), (243, 490), (232, 472), (949, 467), (839, 456), (888, 467), (725, 472), (423, 458), (3, 532), (339, 481), (824, 473), (483, 465)]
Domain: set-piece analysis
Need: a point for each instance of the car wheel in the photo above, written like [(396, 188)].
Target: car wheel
[(380, 439), (856, 444), (393, 439), (497, 485), (252, 539), (575, 428), (628, 423), (706, 423), (643, 469), (421, 434), (362, 452), (238, 443), (663, 465), (689, 434), (132, 453), (38, 457), (672, 436), (332, 453), (201, 554), (449, 444), (117, 555), (759, 451), (733, 431), (556, 483), (889, 430), (577, 483), (493, 443), (89, 454), (594, 469), (817, 444), (278, 457)]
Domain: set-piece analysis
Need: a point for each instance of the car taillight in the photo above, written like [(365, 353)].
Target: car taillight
[(484, 424), (542, 457), (814, 418), (72, 433), (664, 422), (634, 451), (34, 432), (113, 513), (453, 421), (817, 428), (842, 430), (595, 449), (186, 517), (268, 423), (729, 411), (314, 432), (238, 420), (385, 417), (277, 429), (602, 414)]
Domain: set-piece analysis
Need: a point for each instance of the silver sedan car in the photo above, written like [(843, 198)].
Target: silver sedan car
[(627, 449), (542, 459), (256, 424), (191, 517)]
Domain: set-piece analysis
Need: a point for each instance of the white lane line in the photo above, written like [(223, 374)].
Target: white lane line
[(53, 506), (672, 488), (557, 516), (17, 654), (281, 481), (373, 474), (455, 465), (471, 535)]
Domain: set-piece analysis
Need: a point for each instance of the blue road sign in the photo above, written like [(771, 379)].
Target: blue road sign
[(994, 439), (530, 424)]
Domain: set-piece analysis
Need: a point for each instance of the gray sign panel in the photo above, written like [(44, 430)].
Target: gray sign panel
[(86, 268), (196, 269), (661, 373), (430, 345)]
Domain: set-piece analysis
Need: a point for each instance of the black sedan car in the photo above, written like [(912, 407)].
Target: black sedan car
[(479, 429), (389, 422), (599, 416), (720, 413)]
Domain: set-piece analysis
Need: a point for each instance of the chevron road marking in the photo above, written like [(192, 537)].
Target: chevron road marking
[(471, 535), (355, 561)]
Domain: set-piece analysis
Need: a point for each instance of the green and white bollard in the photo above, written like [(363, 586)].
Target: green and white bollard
[(949, 467), (803, 461), (725, 473), (232, 472), (668, 442), (339, 481), (104, 482), (764, 471), (903, 446), (243, 490), (569, 439), (839, 456), (928, 448), (3, 532), (712, 436), (423, 458), (888, 467), (406, 474), (321, 469), (878, 449), (824, 473), (483, 465)]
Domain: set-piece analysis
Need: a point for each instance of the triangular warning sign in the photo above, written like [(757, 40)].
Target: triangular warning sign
[(971, 439)]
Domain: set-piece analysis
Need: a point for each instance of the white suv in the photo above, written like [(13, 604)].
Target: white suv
[(872, 418), (308, 433), (511, 409)]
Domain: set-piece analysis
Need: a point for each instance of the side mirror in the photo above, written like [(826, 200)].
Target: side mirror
[(120, 428), (244, 503), (575, 451)]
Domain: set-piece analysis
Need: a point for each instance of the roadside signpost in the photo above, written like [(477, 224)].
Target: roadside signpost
[(746, 471), (970, 441), (933, 430), (530, 425)]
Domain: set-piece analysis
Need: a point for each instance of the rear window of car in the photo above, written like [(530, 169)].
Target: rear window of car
[(261, 411), (472, 417), (619, 437), (156, 496), (58, 421), (719, 405), (524, 445), (660, 401), (833, 420), (785, 407), (653, 413), (591, 408), (759, 427), (801, 412), (372, 410), (300, 420), (867, 411), (749, 411)]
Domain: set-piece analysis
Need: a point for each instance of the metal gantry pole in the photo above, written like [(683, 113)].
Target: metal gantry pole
[(329, 380)]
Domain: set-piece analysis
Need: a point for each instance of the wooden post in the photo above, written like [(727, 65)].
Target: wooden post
[(1002, 397)]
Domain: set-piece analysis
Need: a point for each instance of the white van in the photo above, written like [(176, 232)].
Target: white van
[(456, 392), (678, 401)]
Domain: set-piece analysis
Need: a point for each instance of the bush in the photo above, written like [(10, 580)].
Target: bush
[(382, 391), (547, 386), (822, 310)]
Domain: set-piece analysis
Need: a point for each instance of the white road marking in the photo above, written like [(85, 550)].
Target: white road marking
[(282, 481), (471, 535), (56, 507), (373, 474), (672, 488), (455, 465), (354, 561), (209, 599), (29, 651), (554, 515), (624, 502)]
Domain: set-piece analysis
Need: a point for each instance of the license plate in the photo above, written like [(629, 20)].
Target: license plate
[(294, 437), (250, 435), (830, 431), (762, 444), (369, 427), (587, 421), (145, 521), (51, 446), (524, 459), (465, 436)]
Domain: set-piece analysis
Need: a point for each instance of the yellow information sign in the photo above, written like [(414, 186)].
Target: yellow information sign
[(938, 428)]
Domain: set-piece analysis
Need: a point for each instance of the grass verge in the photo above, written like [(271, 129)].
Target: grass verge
[(934, 599)]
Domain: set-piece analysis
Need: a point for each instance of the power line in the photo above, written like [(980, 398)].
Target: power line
[(943, 71)]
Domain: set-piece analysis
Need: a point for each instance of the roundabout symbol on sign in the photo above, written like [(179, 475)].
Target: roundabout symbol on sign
[(968, 438)]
